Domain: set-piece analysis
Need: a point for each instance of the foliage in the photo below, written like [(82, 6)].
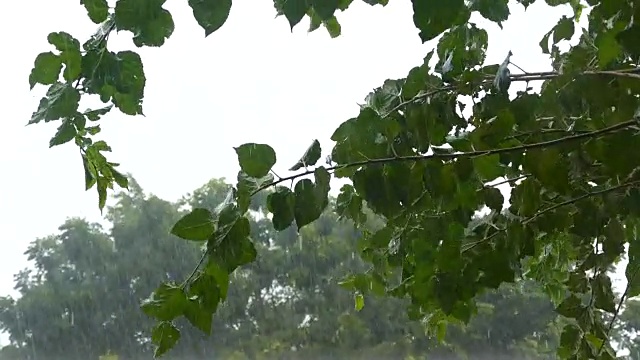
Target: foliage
[(81, 298), (417, 159)]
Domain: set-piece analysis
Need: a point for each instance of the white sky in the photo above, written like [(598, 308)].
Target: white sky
[(252, 81)]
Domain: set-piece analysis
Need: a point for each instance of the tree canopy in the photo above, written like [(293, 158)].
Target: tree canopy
[(418, 157)]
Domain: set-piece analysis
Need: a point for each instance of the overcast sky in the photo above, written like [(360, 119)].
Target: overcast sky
[(252, 81)]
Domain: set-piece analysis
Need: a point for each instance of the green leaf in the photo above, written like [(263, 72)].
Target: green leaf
[(256, 160), (381, 238), (101, 146), (632, 271), (94, 115), (80, 123), (93, 130), (344, 4), (571, 307), (120, 179), (129, 82), (307, 205), (349, 205), (231, 244), (310, 157), (494, 10), (204, 297), (628, 39), (102, 184), (293, 10), (569, 341), (461, 48), (248, 185), (488, 167), (210, 14), (90, 172), (46, 69), (98, 10), (207, 290), (61, 101), (359, 300), (281, 203), (70, 54), (432, 17), (563, 30), (66, 132), (603, 294), (333, 27), (544, 42), (376, 2), (324, 8), (197, 225), (493, 198), (164, 335), (221, 277), (322, 186), (198, 316), (548, 166), (614, 241), (166, 303), (315, 21), (385, 98), (362, 284), (150, 24), (526, 3), (608, 48)]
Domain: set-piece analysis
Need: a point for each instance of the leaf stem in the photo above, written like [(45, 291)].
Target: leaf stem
[(195, 270)]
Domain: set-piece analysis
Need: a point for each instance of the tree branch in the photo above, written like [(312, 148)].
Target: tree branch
[(553, 207), (532, 76), (470, 154)]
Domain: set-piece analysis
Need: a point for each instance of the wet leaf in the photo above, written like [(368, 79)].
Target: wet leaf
[(310, 157), (164, 335), (209, 14), (197, 225), (256, 160)]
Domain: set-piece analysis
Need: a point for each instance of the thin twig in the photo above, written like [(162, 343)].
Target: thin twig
[(519, 68), (544, 131), (195, 269), (506, 181), (276, 175), (614, 73), (618, 308)]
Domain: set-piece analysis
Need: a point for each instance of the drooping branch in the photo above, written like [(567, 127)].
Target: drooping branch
[(460, 155), (555, 207)]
